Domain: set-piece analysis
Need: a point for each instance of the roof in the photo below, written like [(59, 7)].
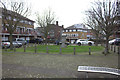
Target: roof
[(77, 26), (9, 12)]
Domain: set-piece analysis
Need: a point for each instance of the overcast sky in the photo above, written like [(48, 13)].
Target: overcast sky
[(69, 12)]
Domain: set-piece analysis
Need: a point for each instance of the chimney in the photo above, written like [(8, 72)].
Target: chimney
[(62, 26), (57, 23)]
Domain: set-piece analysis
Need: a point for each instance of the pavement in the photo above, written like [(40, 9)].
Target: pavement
[(27, 65)]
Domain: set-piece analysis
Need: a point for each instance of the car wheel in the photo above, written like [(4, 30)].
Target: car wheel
[(112, 44), (90, 44), (118, 44), (79, 44)]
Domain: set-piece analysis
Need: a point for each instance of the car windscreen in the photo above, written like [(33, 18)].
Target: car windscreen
[(82, 40), (117, 39), (20, 40)]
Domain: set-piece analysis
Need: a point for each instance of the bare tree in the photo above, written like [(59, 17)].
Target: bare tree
[(95, 29), (105, 15), (13, 14), (44, 20)]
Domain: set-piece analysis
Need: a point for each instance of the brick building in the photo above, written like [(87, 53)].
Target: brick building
[(77, 31), (118, 29), (54, 32), (25, 28)]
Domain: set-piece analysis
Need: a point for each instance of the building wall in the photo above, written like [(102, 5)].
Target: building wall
[(73, 34), (54, 32), (76, 35), (25, 28)]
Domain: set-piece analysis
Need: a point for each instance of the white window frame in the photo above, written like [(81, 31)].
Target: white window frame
[(66, 30), (70, 30)]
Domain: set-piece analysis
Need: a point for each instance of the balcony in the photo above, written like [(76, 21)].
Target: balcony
[(5, 31)]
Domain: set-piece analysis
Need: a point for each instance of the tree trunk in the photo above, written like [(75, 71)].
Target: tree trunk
[(10, 39), (46, 41), (96, 42), (107, 46)]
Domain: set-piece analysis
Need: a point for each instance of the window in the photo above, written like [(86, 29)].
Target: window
[(26, 22), (84, 31), (66, 30), (79, 30), (29, 23), (82, 40), (9, 18), (6, 29), (14, 19), (76, 35), (70, 30), (21, 21), (20, 39), (74, 30), (7, 24)]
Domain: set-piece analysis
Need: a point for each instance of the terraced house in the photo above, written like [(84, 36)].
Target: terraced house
[(77, 31), (118, 32), (25, 28), (54, 32)]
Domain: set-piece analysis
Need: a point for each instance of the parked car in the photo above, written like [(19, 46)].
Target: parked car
[(84, 42), (17, 44), (36, 40), (115, 41), (59, 43), (5, 44), (20, 40)]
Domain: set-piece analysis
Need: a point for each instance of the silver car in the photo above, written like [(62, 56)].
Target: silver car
[(20, 40)]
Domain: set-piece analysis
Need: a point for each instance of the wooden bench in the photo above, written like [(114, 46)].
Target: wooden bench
[(98, 70)]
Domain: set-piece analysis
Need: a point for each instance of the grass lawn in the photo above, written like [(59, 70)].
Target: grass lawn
[(55, 49)]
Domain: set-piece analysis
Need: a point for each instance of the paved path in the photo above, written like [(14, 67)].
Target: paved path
[(47, 66), (13, 70), (19, 71)]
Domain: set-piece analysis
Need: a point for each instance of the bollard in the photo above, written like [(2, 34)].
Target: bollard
[(111, 48), (5, 48), (114, 49), (24, 48), (89, 51), (74, 50), (47, 49), (118, 50), (60, 50), (32, 45), (14, 49), (35, 48)]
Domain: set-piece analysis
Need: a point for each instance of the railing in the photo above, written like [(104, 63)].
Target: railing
[(4, 31)]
